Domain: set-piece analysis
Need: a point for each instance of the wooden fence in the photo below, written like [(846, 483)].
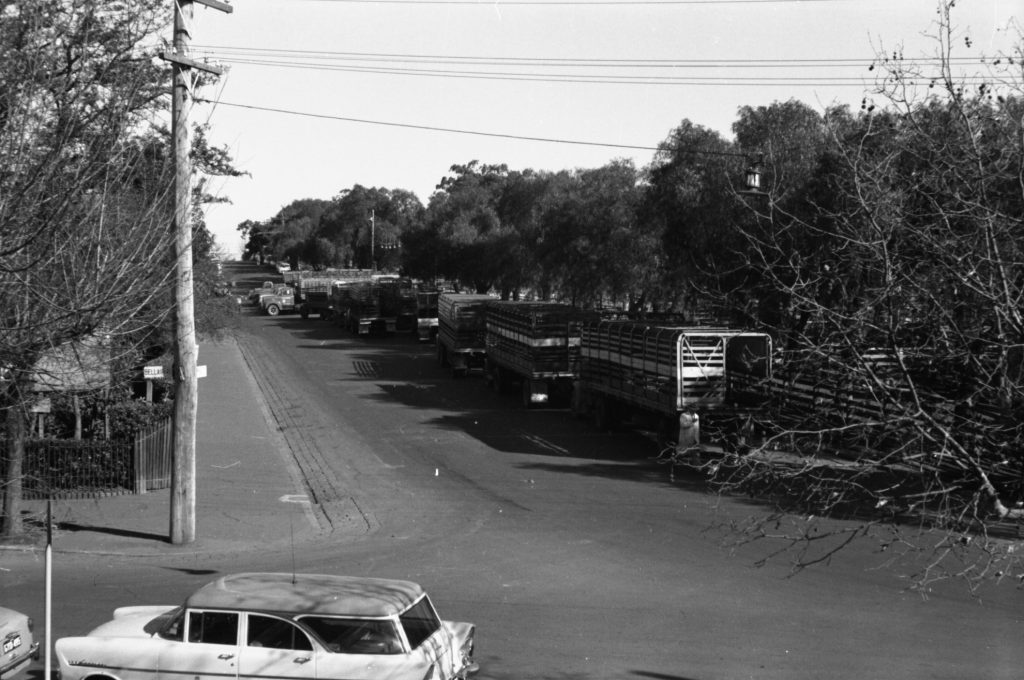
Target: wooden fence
[(87, 469)]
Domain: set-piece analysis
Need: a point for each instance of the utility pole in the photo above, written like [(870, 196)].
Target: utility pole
[(373, 238), (186, 392)]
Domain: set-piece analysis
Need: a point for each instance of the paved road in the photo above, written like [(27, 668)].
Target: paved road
[(571, 551)]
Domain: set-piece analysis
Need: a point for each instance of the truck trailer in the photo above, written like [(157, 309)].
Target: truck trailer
[(462, 331), (535, 345), (667, 377), (426, 315), (357, 306)]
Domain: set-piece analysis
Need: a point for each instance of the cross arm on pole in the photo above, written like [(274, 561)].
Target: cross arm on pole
[(182, 60)]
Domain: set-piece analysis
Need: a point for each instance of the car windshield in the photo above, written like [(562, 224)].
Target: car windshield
[(169, 625), (420, 621), (355, 636)]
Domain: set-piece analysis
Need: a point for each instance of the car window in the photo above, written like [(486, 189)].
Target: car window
[(355, 636), (420, 621), (266, 631), (173, 625), (214, 628)]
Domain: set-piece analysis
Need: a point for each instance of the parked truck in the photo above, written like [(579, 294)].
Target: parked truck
[(397, 303), (535, 346), (357, 306), (667, 377), (280, 299), (426, 315), (313, 296), (462, 331)]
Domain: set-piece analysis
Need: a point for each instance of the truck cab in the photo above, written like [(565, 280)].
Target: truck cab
[(281, 299)]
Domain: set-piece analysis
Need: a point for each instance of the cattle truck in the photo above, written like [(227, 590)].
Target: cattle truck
[(535, 346), (426, 315), (667, 377), (357, 306), (461, 331), (313, 296)]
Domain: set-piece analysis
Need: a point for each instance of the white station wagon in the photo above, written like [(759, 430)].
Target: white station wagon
[(277, 627)]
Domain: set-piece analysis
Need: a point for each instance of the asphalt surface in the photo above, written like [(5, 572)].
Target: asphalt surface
[(251, 489)]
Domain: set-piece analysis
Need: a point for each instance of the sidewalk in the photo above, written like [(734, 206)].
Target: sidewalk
[(249, 492)]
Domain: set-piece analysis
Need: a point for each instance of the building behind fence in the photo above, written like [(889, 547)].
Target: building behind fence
[(84, 469)]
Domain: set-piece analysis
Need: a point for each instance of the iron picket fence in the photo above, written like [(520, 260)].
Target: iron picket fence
[(54, 468)]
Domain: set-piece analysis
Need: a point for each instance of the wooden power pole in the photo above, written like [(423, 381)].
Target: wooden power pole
[(186, 393)]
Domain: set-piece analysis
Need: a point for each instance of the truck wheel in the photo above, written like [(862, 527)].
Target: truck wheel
[(273, 310), (304, 312)]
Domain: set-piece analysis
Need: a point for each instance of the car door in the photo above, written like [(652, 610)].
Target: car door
[(209, 650), (364, 649), (275, 648)]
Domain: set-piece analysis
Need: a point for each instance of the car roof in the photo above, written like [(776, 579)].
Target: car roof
[(307, 594)]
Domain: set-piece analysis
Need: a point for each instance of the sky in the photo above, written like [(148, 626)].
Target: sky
[(321, 95)]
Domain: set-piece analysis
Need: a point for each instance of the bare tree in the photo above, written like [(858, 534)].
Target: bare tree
[(84, 182), (898, 290)]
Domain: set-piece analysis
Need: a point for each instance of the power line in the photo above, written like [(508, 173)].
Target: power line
[(830, 62), (583, 78), (551, 140)]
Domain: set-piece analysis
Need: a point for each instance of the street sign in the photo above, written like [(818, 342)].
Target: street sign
[(152, 372)]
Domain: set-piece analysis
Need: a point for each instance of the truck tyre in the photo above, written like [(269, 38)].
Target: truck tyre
[(273, 310), (304, 312)]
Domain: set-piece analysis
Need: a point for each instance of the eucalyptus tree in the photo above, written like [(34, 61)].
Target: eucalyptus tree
[(690, 199), (463, 215), (592, 249), (366, 225)]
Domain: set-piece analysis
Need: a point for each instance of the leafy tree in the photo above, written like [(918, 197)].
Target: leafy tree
[(463, 214), (690, 199), (366, 225), (85, 204), (592, 248), (911, 296)]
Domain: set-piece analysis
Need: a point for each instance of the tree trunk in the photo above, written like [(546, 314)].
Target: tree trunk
[(78, 417), (13, 525)]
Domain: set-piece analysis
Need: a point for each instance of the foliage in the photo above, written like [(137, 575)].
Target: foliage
[(591, 246), (899, 284), (85, 202)]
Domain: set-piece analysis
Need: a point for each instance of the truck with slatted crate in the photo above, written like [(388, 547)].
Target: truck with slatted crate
[(534, 346), (666, 378), (462, 332)]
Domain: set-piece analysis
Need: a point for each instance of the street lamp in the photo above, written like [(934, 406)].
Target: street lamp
[(752, 178)]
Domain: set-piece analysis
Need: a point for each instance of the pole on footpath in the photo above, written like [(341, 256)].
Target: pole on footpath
[(186, 393)]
